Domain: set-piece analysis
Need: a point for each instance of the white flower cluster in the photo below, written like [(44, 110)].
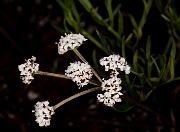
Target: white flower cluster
[(79, 72), (115, 61), (112, 90), (43, 113), (27, 69), (70, 41), (112, 86)]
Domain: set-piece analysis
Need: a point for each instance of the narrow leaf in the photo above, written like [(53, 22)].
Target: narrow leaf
[(154, 79), (148, 50), (157, 68), (120, 23), (147, 95), (142, 96), (165, 18), (171, 67), (75, 12), (123, 48), (168, 46), (103, 40), (131, 89), (133, 21), (110, 12), (135, 61), (129, 38)]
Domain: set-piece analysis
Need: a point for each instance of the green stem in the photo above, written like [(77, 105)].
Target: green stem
[(62, 76), (75, 96), (83, 59)]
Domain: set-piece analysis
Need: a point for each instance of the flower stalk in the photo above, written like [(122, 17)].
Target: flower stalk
[(76, 96), (62, 76)]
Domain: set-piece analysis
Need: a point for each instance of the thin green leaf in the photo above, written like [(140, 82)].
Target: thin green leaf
[(154, 79), (147, 95), (168, 46), (133, 21), (171, 67), (147, 7), (142, 96), (123, 48), (117, 9), (135, 61), (166, 71), (163, 60), (120, 23), (173, 49), (144, 75), (110, 12), (95, 59), (75, 12), (65, 26), (103, 40), (86, 4), (139, 33), (159, 5), (157, 68), (165, 18), (131, 89), (148, 50), (172, 53), (129, 38), (69, 18), (67, 12), (95, 15), (174, 30), (63, 6), (91, 38), (137, 74)]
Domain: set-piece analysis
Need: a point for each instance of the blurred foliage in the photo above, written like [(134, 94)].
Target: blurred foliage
[(148, 71)]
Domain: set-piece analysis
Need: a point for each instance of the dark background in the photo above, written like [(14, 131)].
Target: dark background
[(25, 30)]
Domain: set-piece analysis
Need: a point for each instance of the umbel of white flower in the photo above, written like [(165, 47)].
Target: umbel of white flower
[(115, 61), (43, 113), (70, 41), (27, 69), (79, 72), (112, 92)]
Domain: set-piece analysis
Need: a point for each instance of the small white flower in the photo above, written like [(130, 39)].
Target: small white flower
[(43, 113), (79, 72), (111, 83), (100, 97), (115, 61), (127, 69), (114, 73), (70, 41), (27, 69)]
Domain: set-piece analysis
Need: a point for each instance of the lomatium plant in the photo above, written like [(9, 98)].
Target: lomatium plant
[(79, 72), (139, 74)]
